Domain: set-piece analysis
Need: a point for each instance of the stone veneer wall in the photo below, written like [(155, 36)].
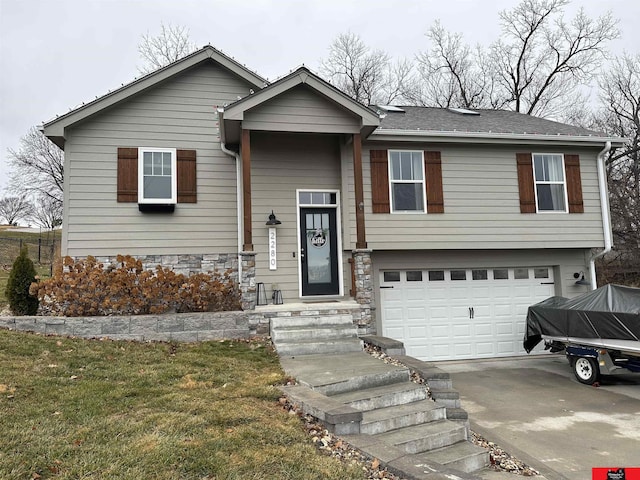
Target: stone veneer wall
[(187, 264), (362, 272)]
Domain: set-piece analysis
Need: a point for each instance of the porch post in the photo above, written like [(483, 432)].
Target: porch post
[(361, 239), (246, 190)]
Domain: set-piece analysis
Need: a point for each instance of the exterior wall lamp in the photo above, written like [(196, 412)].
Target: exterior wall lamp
[(273, 220), (582, 280)]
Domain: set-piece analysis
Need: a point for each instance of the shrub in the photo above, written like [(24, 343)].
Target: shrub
[(22, 275), (86, 287)]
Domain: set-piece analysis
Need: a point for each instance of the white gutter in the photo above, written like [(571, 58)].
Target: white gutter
[(604, 207), (239, 202), (385, 133)]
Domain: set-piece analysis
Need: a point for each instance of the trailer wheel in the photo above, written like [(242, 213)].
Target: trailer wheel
[(586, 370)]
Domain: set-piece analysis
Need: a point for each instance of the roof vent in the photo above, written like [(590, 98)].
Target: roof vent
[(391, 108), (463, 111)]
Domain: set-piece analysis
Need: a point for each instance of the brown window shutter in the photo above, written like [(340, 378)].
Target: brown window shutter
[(127, 174), (186, 161), (574, 183), (525, 183), (433, 169), (379, 181)]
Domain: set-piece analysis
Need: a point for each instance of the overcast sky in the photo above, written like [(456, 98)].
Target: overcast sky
[(56, 54)]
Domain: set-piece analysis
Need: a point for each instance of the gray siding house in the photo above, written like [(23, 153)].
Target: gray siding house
[(444, 225)]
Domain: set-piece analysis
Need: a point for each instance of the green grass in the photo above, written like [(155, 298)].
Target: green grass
[(10, 249), (80, 409)]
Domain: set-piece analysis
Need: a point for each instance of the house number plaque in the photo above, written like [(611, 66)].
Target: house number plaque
[(273, 265)]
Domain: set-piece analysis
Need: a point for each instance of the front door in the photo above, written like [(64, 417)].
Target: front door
[(319, 251)]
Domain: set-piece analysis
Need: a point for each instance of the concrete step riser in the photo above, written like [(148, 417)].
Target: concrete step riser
[(309, 321), (431, 442), (448, 402), (326, 348), (362, 382), (389, 400), (471, 463), (305, 334), (416, 418), (440, 384)]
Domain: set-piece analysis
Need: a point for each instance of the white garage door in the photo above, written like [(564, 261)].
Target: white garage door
[(452, 314)]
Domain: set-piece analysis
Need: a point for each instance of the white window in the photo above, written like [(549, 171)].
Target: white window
[(157, 179), (551, 191), (406, 179)]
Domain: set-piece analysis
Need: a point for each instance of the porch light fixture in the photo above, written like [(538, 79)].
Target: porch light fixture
[(273, 220), (582, 280)]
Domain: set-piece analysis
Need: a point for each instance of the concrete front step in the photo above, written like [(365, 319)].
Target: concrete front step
[(447, 397), (399, 416), (386, 395), (425, 437), (311, 320), (463, 456), (316, 347), (327, 332)]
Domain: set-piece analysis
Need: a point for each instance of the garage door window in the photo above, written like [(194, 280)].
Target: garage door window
[(541, 273), (521, 273), (391, 276), (436, 275), (479, 274), (458, 274), (414, 276), (501, 274)]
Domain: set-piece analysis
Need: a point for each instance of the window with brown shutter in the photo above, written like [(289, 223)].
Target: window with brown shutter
[(433, 169), (542, 173), (187, 183), (379, 181), (574, 183), (128, 179), (128, 174), (525, 183)]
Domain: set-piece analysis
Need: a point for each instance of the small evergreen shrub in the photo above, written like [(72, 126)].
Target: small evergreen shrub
[(22, 275), (86, 288)]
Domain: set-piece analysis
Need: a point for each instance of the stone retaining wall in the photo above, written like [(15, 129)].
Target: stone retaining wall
[(178, 327)]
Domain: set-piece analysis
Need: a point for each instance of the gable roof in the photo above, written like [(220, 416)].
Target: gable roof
[(486, 124), (54, 129), (301, 76)]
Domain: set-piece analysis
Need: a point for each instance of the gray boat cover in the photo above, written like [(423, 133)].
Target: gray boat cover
[(611, 311)]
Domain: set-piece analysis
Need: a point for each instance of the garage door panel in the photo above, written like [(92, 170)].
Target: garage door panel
[(461, 331), (416, 294), (485, 349), (417, 332), (417, 313), (483, 329), (432, 317), (440, 331)]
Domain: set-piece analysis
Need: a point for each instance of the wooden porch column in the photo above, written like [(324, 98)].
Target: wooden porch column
[(361, 239), (246, 190)]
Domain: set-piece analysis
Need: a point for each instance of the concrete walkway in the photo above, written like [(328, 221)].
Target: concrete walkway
[(343, 375)]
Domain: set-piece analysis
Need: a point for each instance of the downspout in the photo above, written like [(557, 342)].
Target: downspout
[(236, 156), (604, 207)]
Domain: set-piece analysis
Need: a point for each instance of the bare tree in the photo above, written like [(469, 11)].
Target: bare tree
[(542, 60), (37, 167), (13, 209), (536, 65), (47, 213), (620, 95), (369, 76), (453, 74), (171, 44)]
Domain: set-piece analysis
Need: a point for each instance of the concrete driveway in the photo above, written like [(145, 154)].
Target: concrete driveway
[(536, 410)]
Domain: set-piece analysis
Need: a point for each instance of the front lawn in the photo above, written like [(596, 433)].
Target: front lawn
[(73, 409)]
